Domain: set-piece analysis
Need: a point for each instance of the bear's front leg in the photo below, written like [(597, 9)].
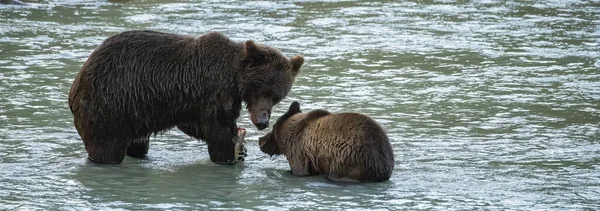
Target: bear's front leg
[(301, 166), (139, 147), (222, 144)]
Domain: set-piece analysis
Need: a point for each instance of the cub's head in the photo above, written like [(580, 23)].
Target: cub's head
[(267, 78), (271, 142)]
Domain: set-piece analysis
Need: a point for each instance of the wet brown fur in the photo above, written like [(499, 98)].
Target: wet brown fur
[(348, 147), (139, 83)]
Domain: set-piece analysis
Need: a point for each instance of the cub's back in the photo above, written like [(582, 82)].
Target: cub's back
[(349, 146), (344, 133)]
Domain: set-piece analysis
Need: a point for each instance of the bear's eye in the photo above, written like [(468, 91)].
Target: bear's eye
[(276, 99)]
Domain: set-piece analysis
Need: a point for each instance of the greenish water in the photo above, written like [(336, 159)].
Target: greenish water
[(489, 104)]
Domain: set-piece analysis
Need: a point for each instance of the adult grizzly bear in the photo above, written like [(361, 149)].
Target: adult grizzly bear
[(347, 147), (139, 83)]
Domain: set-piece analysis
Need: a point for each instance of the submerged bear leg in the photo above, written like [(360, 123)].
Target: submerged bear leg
[(106, 150), (139, 148), (334, 177), (195, 130), (342, 170), (301, 166), (221, 145)]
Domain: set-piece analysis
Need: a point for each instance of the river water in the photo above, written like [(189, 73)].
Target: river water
[(488, 104)]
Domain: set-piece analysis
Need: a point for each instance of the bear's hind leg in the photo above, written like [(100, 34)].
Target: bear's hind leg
[(139, 148), (110, 151), (342, 171)]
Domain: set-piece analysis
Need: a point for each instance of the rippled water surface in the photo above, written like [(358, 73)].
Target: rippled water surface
[(489, 104)]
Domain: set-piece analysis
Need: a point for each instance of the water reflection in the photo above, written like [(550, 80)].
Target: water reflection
[(489, 104), (144, 184)]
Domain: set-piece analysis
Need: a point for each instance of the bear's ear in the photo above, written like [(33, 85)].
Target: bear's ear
[(252, 52), (294, 108), (297, 62)]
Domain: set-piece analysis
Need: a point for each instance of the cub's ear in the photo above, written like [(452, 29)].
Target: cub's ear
[(294, 108), (297, 62), (252, 52)]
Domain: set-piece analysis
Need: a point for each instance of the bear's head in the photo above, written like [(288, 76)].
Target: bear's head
[(271, 142), (267, 78)]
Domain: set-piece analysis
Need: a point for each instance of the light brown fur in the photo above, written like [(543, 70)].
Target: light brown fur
[(348, 147)]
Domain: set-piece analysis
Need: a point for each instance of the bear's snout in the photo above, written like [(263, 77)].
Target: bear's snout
[(267, 144), (261, 119)]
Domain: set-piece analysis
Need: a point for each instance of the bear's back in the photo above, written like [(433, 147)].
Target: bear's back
[(156, 77), (342, 141), (347, 129)]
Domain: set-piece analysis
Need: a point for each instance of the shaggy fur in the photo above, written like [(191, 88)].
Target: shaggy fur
[(137, 83), (347, 147)]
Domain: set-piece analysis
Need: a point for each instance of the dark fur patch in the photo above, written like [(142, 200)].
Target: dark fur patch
[(311, 116), (141, 82), (292, 110)]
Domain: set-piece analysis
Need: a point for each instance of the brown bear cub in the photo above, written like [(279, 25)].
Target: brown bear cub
[(347, 147), (139, 83)]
